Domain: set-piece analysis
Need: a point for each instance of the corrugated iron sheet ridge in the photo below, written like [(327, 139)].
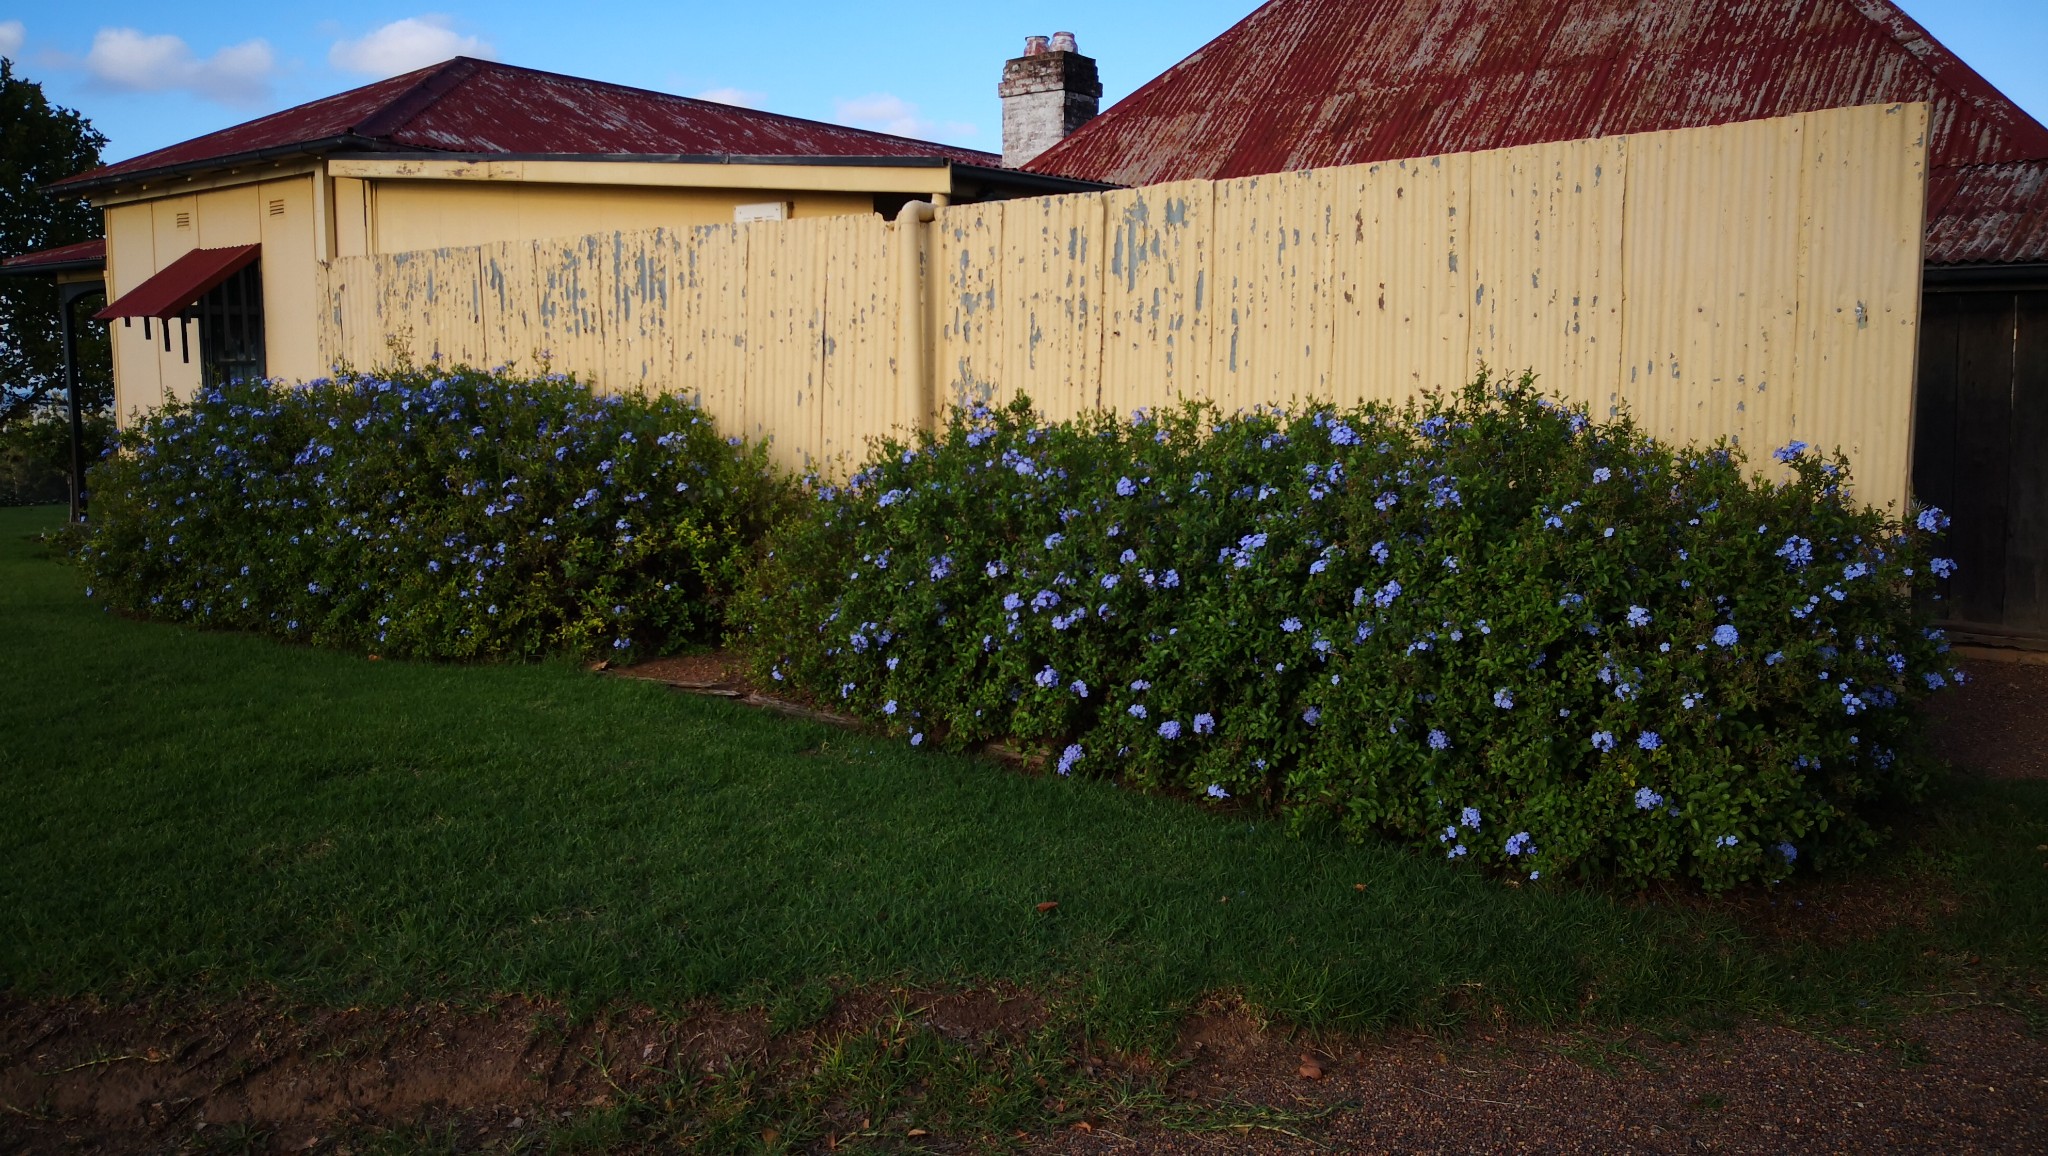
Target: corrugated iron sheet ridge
[(1320, 83)]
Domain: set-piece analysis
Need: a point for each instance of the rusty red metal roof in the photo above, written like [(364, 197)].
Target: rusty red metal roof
[(1314, 83), (481, 107), (60, 259), (179, 285)]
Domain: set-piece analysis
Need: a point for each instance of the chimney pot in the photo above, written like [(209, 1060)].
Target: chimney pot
[(1047, 93)]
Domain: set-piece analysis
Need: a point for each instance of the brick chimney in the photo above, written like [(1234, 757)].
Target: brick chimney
[(1047, 93)]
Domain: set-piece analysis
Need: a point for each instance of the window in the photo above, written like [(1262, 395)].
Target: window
[(230, 318)]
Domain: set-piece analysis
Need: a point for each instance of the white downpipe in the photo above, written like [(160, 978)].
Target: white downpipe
[(913, 325)]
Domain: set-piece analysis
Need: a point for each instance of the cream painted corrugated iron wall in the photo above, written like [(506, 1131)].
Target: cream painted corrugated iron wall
[(1758, 281)]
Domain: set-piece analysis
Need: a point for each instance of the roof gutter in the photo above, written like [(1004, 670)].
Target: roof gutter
[(86, 184), (1987, 277)]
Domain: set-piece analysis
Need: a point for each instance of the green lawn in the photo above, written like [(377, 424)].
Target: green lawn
[(205, 813)]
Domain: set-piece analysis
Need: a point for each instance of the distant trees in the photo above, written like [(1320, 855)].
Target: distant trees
[(39, 143)]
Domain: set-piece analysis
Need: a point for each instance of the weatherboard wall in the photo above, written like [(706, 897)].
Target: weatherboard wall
[(1755, 281)]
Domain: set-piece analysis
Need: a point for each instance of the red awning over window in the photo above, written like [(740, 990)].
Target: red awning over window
[(180, 285)]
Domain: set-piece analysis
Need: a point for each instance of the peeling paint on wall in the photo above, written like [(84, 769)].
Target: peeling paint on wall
[(1661, 272)]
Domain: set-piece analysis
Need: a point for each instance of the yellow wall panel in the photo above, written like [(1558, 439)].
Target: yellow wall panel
[(1755, 281)]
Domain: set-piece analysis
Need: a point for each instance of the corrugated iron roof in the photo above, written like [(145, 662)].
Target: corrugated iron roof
[(478, 106), (59, 259), (179, 285), (1314, 83)]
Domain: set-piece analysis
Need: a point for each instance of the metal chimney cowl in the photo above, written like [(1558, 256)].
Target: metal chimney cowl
[(1047, 93)]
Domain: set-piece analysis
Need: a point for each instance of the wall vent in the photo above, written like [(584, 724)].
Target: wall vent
[(277, 208), (184, 220)]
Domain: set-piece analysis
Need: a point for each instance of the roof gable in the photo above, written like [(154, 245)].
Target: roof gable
[(1318, 83), (476, 106)]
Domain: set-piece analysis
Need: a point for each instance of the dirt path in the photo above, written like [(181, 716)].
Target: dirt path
[(75, 1079)]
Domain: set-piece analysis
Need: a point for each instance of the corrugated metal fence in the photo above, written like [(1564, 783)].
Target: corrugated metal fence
[(1758, 280)]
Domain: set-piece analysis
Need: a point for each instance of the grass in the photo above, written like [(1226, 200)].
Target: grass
[(208, 813)]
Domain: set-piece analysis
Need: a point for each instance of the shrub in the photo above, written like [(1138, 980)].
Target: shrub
[(1486, 625), (35, 454), (446, 515)]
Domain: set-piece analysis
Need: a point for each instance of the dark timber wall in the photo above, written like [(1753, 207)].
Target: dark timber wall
[(1980, 446)]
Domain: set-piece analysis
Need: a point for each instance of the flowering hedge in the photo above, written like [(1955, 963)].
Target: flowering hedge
[(1488, 626), (448, 515)]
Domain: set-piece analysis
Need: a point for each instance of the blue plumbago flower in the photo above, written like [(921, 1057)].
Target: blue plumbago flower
[(1044, 600), (997, 569), (1290, 625), (1073, 754), (1079, 687), (1774, 658), (1934, 681), (1052, 540), (1450, 833), (1439, 741), (1787, 453), (1170, 579), (1638, 616), (1788, 851), (1726, 840), (1125, 487), (1385, 595), (1205, 723), (1128, 557), (1012, 601), (1691, 700), (1504, 699), (1649, 740), (1942, 567), (1136, 710), (1216, 791), (892, 497), (1601, 474), (1386, 501), (846, 689), (893, 660), (1109, 581), (1932, 520), (1313, 716), (1451, 564), (1647, 799), (941, 567), (1140, 685), (1852, 703), (1319, 565), (1725, 636), (917, 739), (1379, 552), (1170, 729), (1603, 740), (1796, 552), (1469, 818), (1455, 852), (889, 707), (1520, 843), (1047, 677)]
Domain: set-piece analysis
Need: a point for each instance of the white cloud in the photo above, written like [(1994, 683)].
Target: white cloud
[(886, 112), (127, 60), (11, 36), (882, 112), (403, 45), (744, 98)]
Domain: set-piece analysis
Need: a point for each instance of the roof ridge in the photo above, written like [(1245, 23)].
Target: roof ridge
[(699, 102), (1943, 65), (439, 80)]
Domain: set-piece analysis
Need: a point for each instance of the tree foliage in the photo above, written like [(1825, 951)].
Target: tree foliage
[(39, 143)]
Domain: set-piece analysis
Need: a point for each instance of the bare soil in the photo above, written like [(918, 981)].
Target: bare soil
[(78, 1078)]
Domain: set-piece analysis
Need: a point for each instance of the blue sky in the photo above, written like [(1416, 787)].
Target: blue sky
[(153, 74)]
